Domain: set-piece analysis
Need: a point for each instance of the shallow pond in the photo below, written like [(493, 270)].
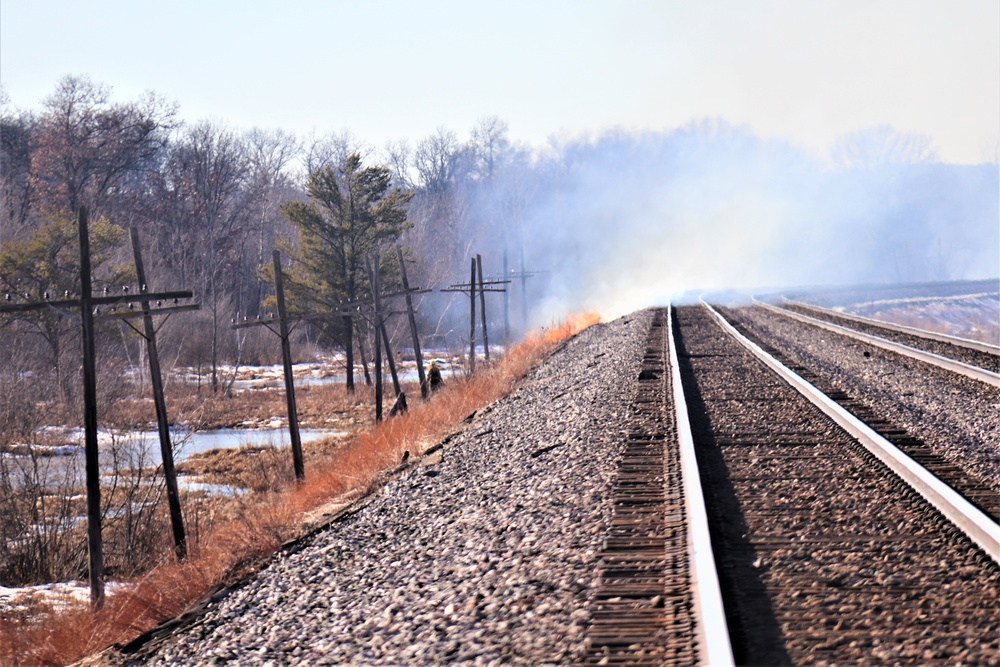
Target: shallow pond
[(137, 449)]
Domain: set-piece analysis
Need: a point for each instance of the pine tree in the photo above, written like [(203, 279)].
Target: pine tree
[(46, 266), (351, 213)]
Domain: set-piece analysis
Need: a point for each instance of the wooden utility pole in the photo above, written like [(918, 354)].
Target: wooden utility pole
[(380, 316), (373, 281), (87, 304), (482, 307), (522, 274), (411, 316), (471, 287), (524, 292), (390, 359), (162, 423), (283, 333), (286, 362), (506, 305), (380, 319), (472, 319), (94, 547)]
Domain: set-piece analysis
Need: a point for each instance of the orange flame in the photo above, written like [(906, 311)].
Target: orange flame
[(572, 325)]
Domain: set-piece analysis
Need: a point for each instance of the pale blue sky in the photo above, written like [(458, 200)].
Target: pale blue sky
[(805, 70)]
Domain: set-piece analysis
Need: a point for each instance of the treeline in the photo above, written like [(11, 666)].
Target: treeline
[(211, 203), (612, 222)]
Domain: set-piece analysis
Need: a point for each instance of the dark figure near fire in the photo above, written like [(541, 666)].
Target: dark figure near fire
[(434, 380)]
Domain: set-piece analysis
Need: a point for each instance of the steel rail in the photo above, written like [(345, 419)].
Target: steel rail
[(968, 370), (979, 346), (966, 517), (714, 646)]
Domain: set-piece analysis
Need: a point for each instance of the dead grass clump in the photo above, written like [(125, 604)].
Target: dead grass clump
[(265, 520)]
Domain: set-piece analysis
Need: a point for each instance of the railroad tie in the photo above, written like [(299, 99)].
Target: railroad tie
[(641, 612)]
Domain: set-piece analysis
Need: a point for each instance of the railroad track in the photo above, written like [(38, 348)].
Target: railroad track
[(825, 556), (910, 335), (657, 601), (979, 361), (949, 467)]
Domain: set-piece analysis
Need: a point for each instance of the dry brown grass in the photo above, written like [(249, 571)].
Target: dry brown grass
[(48, 636)]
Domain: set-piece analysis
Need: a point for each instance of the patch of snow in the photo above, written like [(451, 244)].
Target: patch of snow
[(192, 485), (61, 595)]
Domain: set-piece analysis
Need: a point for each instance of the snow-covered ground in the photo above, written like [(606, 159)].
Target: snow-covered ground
[(975, 316), (325, 371), (967, 309), (58, 596)]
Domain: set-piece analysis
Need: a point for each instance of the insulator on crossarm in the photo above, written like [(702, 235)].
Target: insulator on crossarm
[(125, 288), (105, 291), (6, 296), (46, 295), (143, 288)]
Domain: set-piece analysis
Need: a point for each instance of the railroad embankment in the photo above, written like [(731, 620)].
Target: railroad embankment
[(484, 550)]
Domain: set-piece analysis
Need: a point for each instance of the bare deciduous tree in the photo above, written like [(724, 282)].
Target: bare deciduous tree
[(208, 173), (882, 146), (85, 144)]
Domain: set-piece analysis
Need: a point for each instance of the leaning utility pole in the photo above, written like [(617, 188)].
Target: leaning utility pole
[(283, 333), (286, 363), (506, 305), (523, 274), (411, 316), (373, 281), (472, 319), (94, 546), (87, 303), (482, 306), (162, 423)]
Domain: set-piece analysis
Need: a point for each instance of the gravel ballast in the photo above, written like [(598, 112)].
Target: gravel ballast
[(955, 415), (483, 553)]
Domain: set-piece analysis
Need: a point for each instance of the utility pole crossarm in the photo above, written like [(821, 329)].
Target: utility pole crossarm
[(466, 290), (97, 301), (114, 315)]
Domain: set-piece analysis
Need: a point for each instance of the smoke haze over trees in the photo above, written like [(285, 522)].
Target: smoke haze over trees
[(611, 222)]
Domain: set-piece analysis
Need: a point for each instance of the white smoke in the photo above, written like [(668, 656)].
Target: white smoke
[(626, 221)]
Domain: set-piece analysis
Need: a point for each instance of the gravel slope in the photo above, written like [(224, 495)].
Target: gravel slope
[(483, 555)]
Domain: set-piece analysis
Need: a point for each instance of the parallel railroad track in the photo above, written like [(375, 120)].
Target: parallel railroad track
[(973, 353), (824, 556), (943, 467)]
